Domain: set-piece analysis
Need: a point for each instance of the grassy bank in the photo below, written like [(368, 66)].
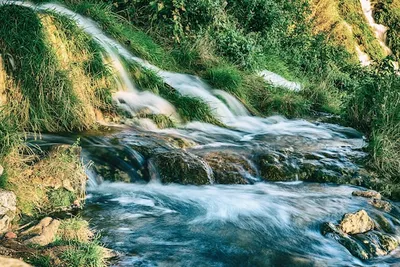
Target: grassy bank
[(224, 42)]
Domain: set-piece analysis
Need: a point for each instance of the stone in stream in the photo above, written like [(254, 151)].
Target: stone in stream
[(229, 167), (276, 166), (381, 204), (367, 194), (8, 208), (356, 223), (180, 167), (356, 233)]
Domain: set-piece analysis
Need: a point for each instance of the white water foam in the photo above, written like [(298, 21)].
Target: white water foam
[(279, 81)]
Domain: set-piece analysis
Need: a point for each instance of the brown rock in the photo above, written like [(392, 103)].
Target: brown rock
[(47, 232), (367, 194), (381, 204), (8, 262), (356, 223), (10, 235)]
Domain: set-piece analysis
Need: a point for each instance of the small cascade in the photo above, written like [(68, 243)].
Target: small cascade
[(232, 102), (364, 58), (379, 29), (278, 81)]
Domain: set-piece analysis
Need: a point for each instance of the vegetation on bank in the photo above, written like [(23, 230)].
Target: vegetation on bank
[(226, 43)]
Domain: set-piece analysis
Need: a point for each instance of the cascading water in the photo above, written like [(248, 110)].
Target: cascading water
[(253, 224), (379, 29)]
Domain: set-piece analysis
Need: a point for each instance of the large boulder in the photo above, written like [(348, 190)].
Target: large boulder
[(180, 167), (8, 262), (356, 223), (8, 208)]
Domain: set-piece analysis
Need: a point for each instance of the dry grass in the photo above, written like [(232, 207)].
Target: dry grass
[(45, 185)]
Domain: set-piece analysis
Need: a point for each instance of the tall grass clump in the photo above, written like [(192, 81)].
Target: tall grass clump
[(37, 73)]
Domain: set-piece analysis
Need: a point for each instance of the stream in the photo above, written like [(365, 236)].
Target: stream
[(254, 193)]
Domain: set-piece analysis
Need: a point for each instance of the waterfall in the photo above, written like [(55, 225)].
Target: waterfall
[(233, 114), (379, 29)]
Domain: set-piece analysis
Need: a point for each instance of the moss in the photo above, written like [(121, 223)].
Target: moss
[(60, 198)]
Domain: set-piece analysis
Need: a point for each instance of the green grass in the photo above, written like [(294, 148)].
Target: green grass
[(388, 13), (83, 255), (38, 72), (226, 78), (60, 198), (40, 261)]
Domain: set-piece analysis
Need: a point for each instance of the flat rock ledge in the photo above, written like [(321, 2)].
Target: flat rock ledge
[(359, 234)]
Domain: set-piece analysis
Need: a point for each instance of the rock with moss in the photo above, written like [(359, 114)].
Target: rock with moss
[(367, 194), (356, 232), (381, 204), (8, 209), (229, 167), (180, 167), (276, 166)]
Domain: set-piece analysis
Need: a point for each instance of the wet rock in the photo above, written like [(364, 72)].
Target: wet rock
[(8, 208), (47, 230), (354, 247), (385, 225), (180, 167), (377, 244), (276, 166), (362, 242), (229, 167), (367, 194), (10, 235), (356, 223), (381, 204), (4, 261)]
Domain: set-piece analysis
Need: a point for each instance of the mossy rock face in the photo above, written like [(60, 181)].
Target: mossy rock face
[(229, 168), (276, 166), (365, 246), (180, 167)]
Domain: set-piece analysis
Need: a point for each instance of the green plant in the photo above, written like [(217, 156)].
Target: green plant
[(83, 255), (226, 78)]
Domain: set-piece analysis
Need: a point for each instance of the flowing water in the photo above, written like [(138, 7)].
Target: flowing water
[(253, 224)]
